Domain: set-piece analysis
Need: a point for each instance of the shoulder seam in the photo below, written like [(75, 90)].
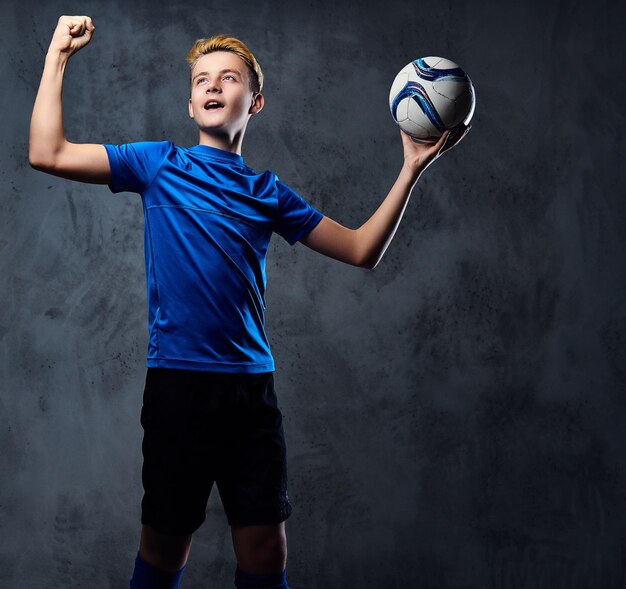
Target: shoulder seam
[(158, 169)]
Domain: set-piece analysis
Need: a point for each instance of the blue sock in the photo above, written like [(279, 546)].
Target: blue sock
[(245, 580), (146, 576)]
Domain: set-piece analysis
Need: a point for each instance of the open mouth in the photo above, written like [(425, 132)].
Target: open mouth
[(213, 105)]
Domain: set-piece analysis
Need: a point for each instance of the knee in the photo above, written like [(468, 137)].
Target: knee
[(164, 551), (273, 552), (261, 551)]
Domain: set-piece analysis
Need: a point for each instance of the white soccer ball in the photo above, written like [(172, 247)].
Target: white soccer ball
[(430, 95)]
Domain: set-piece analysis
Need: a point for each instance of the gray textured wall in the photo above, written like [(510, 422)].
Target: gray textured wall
[(455, 418)]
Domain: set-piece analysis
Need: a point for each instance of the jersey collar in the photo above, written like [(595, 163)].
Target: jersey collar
[(214, 152)]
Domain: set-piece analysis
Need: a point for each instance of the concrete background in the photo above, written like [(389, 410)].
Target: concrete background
[(455, 418)]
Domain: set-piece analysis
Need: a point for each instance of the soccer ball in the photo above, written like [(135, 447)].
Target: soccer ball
[(430, 95)]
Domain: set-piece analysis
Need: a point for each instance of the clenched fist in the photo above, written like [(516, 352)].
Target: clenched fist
[(72, 34)]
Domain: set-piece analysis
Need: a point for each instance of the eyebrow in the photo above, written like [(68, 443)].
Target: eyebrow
[(220, 72)]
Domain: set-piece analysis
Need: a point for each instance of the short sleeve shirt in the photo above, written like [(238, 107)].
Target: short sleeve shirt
[(208, 222)]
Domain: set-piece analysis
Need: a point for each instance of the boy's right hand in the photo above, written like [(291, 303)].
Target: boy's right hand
[(72, 34)]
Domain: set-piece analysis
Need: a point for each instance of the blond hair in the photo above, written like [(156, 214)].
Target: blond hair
[(227, 43)]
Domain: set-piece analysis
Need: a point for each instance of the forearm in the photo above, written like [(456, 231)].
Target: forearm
[(366, 245), (375, 235), (46, 135)]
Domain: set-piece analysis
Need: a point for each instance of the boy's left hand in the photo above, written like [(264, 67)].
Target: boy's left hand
[(418, 156)]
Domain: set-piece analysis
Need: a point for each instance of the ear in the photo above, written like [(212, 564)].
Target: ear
[(190, 110), (257, 104)]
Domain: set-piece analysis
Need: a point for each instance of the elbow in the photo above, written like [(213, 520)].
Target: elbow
[(367, 260), (36, 165), (368, 263), (365, 253), (41, 165), (37, 162), (42, 155)]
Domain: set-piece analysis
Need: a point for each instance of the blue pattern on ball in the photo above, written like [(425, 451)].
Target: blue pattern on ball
[(427, 72), (415, 91)]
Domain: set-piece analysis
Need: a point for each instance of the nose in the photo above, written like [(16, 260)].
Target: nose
[(212, 86)]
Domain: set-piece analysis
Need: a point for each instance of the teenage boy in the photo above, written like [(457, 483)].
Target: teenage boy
[(209, 412)]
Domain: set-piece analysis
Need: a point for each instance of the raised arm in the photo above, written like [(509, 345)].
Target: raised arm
[(48, 149), (366, 245)]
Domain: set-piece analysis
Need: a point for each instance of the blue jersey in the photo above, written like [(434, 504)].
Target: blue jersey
[(208, 223)]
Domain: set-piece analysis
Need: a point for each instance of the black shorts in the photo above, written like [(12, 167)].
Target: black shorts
[(206, 427)]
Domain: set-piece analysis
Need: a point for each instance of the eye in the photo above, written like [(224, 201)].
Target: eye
[(229, 76), (200, 80)]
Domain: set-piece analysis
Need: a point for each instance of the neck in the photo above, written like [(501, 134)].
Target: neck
[(222, 141)]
